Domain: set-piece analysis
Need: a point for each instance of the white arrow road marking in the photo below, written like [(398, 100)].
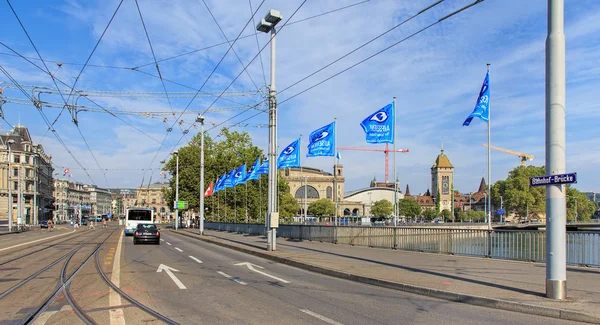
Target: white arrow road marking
[(232, 278), (195, 259), (168, 243), (169, 270), (252, 268), (162, 239), (321, 317), (178, 249)]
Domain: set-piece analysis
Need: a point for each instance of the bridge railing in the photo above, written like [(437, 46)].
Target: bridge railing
[(583, 248)]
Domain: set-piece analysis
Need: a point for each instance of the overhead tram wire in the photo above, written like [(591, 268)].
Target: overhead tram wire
[(245, 67), (369, 57), (226, 39), (92, 101), (258, 47), (47, 121), (203, 84), (54, 81)]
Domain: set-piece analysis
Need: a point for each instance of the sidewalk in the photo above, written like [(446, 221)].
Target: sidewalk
[(508, 285)]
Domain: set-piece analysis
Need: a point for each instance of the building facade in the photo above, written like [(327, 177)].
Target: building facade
[(314, 184), (27, 174), (152, 196), (122, 198), (442, 178), (100, 200)]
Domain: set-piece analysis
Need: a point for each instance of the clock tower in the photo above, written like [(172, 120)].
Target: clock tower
[(442, 177)]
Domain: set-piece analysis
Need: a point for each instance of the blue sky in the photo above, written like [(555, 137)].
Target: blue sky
[(435, 76)]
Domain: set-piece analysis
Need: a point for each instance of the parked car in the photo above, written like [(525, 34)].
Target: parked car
[(44, 224), (146, 233)]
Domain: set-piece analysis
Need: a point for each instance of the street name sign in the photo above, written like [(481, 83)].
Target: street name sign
[(557, 179)]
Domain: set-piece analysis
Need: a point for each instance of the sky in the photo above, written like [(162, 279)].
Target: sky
[(435, 75)]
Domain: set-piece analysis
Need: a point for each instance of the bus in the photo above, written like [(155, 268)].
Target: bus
[(133, 216)]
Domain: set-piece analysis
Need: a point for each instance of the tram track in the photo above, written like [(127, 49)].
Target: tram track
[(2, 263)]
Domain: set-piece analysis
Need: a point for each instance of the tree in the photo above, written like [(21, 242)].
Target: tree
[(430, 214), (321, 208), (585, 207), (409, 207), (382, 208), (446, 214), (288, 206), (461, 215), (516, 193), (473, 215)]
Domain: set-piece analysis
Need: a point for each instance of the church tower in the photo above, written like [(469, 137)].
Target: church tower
[(441, 181)]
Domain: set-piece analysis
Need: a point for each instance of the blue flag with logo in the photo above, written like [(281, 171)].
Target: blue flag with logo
[(379, 126), (290, 156), (253, 171), (321, 142), (264, 168), (221, 182), (228, 182), (482, 107), (217, 183), (240, 175)]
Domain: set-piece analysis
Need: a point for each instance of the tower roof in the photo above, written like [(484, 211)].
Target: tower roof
[(482, 186), (442, 161), (407, 192)]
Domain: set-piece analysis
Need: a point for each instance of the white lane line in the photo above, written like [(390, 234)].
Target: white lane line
[(321, 317), (195, 259), (116, 315), (232, 278), (178, 249), (35, 241), (162, 239), (45, 316), (168, 243)]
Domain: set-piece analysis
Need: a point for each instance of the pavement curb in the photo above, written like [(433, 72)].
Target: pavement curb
[(440, 294)]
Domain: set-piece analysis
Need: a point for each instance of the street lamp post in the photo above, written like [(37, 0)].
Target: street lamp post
[(575, 210), (501, 209), (200, 119), (267, 25), (176, 153)]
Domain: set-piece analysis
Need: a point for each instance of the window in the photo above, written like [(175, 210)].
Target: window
[(15, 186), (16, 158), (311, 192), (329, 192), (26, 160), (15, 172), (153, 201)]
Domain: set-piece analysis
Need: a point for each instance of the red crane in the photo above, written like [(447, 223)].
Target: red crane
[(385, 150)]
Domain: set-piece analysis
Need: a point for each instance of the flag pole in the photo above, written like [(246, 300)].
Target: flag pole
[(395, 175), (246, 201), (489, 160), (335, 190)]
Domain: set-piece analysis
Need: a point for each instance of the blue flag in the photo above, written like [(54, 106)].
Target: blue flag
[(217, 183), (338, 155), (264, 168), (240, 175), (321, 142), (379, 127), (290, 156), (228, 182), (221, 183), (482, 108), (253, 171)]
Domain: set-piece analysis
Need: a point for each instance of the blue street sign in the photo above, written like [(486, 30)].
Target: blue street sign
[(557, 179), (500, 211)]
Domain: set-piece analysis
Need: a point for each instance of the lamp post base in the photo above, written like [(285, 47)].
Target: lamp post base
[(556, 289)]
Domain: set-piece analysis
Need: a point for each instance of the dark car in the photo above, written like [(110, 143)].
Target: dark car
[(44, 224), (146, 233)]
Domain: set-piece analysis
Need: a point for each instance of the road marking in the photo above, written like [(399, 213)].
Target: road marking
[(168, 243), (35, 241), (162, 239), (45, 316), (178, 249), (116, 315), (251, 267), (232, 278), (321, 317), (195, 259), (169, 272)]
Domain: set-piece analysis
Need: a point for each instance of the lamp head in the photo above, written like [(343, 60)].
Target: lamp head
[(200, 118), (175, 153), (264, 26), (273, 17)]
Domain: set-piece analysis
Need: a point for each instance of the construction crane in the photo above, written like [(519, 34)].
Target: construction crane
[(524, 157), (385, 150)]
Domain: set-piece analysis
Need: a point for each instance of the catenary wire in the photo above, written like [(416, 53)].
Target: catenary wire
[(258, 47), (366, 59)]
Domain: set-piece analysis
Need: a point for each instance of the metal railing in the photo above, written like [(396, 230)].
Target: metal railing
[(583, 248)]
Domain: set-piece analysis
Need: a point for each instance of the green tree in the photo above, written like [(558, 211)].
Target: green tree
[(321, 208), (446, 214), (438, 201), (585, 207), (430, 214), (473, 215), (288, 207), (382, 208), (409, 207), (516, 193), (461, 215)]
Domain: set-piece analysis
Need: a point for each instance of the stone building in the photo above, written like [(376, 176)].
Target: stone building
[(100, 200), (366, 197), (152, 196), (442, 178), (122, 198), (27, 170), (317, 184)]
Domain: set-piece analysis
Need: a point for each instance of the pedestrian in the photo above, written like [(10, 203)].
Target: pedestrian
[(104, 223), (49, 225), (76, 224), (91, 224)]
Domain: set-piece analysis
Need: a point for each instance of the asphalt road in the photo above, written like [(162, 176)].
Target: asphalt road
[(209, 288)]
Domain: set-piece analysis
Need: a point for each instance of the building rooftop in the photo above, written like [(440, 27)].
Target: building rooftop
[(442, 161)]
